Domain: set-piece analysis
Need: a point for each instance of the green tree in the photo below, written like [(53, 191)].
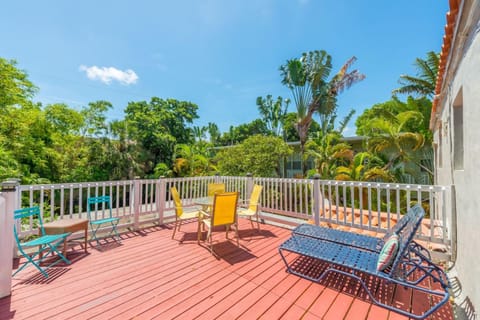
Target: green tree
[(394, 107), (258, 155), (15, 88), (328, 153), (95, 119), (307, 78), (192, 161), (273, 113), (213, 132), (241, 132), (158, 126), (423, 84), (290, 131), (387, 136), (364, 166), (64, 119)]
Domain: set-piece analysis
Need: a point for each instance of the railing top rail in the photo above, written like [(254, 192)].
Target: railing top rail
[(385, 185), (72, 184)]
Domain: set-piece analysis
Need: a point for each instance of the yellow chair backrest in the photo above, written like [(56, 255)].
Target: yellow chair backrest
[(215, 188), (255, 197), (177, 201), (224, 208)]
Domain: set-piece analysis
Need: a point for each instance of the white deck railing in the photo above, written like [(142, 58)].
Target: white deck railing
[(361, 205)]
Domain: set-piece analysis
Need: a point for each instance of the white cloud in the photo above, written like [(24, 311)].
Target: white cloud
[(109, 74)]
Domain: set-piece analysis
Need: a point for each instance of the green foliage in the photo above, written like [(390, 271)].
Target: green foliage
[(15, 88), (258, 155), (213, 132), (192, 160), (290, 131), (273, 113), (158, 126), (239, 133), (329, 153), (394, 107), (423, 84)]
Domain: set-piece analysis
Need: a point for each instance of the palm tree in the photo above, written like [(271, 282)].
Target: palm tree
[(329, 153), (364, 166), (424, 83), (387, 136), (307, 77)]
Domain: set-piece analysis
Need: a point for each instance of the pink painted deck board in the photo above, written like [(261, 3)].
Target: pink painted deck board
[(149, 275)]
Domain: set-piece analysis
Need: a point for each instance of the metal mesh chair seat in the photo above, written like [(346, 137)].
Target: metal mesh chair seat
[(339, 236), (365, 261), (413, 216)]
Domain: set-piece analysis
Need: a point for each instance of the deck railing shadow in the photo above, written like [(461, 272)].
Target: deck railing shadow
[(54, 273)]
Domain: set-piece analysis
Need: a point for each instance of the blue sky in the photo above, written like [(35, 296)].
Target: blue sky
[(219, 54)]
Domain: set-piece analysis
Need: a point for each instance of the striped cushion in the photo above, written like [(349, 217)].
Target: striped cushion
[(387, 255)]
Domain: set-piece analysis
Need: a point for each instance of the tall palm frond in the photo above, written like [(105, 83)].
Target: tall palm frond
[(423, 84)]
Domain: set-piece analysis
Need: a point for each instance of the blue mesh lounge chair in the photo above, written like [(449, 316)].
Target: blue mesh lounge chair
[(341, 256), (104, 203), (361, 241), (45, 244)]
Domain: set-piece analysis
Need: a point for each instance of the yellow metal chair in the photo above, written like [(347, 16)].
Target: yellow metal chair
[(180, 214), (253, 206), (213, 188), (224, 213)]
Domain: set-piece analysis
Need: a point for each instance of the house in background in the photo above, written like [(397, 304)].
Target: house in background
[(455, 123)]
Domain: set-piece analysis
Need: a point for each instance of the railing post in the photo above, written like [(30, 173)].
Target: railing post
[(317, 198), (161, 196), (217, 177), (8, 196), (249, 188), (137, 202)]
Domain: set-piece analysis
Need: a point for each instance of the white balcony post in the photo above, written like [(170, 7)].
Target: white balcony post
[(137, 202), (8, 196), (317, 198), (217, 177), (249, 185), (161, 196)]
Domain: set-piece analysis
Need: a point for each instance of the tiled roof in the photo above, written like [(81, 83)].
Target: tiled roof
[(446, 47)]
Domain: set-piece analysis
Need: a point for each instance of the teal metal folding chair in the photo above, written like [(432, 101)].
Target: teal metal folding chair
[(104, 204), (45, 244)]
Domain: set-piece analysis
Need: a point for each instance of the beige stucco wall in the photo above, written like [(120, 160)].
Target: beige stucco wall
[(465, 79)]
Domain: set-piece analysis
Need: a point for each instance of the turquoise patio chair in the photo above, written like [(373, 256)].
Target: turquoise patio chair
[(102, 202), (46, 244)]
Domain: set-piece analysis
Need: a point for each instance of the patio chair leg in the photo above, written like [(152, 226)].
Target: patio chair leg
[(236, 233), (174, 228)]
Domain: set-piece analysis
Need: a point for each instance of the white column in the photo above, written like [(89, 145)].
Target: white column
[(7, 205)]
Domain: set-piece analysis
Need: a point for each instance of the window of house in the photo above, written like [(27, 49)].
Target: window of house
[(458, 150)]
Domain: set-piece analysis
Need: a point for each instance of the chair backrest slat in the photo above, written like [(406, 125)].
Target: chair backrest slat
[(98, 200), (26, 213)]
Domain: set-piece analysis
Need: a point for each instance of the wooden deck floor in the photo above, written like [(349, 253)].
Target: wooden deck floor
[(151, 276)]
